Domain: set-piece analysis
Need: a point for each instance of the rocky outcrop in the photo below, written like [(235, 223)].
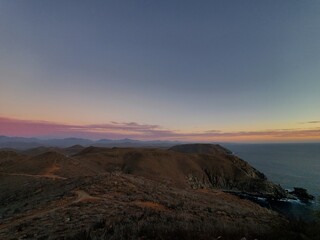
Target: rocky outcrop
[(302, 194), (226, 171)]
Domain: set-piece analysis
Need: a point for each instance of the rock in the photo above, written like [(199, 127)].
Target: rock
[(302, 194)]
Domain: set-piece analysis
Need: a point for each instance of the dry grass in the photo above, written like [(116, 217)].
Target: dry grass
[(135, 194)]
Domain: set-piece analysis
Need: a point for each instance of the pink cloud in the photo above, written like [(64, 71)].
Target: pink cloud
[(117, 130), (27, 128)]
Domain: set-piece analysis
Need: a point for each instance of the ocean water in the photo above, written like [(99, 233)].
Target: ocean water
[(290, 165)]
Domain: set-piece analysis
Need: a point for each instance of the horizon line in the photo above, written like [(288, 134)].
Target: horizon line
[(150, 132), (157, 140)]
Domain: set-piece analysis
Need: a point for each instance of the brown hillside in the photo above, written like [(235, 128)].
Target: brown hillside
[(48, 164), (190, 165), (196, 166), (122, 206), (137, 193), (69, 151)]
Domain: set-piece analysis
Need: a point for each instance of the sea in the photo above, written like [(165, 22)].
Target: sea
[(290, 165)]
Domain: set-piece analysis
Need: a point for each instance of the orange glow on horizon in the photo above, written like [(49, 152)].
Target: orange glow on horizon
[(117, 130)]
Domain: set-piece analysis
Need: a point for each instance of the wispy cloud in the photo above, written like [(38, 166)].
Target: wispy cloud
[(314, 122), (310, 122), (116, 130)]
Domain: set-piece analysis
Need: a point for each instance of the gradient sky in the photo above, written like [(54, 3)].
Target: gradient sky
[(223, 70)]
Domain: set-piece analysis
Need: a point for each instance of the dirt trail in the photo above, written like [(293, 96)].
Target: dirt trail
[(210, 191), (152, 205), (81, 196), (52, 176)]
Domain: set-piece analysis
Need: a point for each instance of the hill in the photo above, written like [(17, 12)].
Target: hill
[(191, 165), (195, 166), (144, 193), (50, 164)]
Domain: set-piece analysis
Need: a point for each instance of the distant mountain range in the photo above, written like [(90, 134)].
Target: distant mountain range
[(22, 143)]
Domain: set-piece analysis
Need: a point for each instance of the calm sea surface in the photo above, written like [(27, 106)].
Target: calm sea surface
[(290, 165)]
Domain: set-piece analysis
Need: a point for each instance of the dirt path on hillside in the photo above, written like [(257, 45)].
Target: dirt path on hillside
[(52, 176), (84, 196)]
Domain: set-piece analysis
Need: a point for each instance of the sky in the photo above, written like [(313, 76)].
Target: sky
[(223, 70)]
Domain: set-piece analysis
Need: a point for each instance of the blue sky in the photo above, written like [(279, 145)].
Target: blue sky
[(187, 66)]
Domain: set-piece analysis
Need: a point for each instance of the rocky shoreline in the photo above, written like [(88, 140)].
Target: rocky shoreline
[(294, 206)]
